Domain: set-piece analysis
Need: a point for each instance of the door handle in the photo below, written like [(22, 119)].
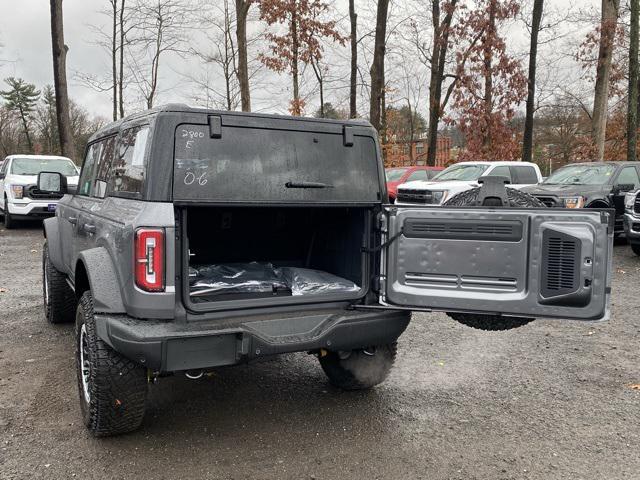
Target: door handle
[(73, 220), (89, 228)]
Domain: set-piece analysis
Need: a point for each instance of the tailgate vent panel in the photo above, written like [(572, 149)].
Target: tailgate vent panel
[(490, 230), (560, 264)]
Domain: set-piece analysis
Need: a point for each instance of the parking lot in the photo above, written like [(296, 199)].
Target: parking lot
[(549, 400)]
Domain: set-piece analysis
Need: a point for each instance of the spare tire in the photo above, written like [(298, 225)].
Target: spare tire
[(492, 322)]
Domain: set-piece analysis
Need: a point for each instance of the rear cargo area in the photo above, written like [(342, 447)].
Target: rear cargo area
[(274, 253)]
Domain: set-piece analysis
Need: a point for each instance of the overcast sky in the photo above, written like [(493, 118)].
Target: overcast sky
[(26, 52)]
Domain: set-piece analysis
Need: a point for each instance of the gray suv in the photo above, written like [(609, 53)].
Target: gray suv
[(197, 239)]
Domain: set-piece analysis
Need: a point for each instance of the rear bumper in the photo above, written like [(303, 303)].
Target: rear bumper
[(169, 346), (632, 228)]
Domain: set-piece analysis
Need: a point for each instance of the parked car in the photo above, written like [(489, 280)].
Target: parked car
[(632, 220), (590, 185), (399, 175), (21, 198), (464, 176), (216, 251)]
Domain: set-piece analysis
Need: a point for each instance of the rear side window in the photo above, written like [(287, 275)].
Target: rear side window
[(88, 168), (502, 171), (628, 175), (524, 175), (127, 175), (102, 167)]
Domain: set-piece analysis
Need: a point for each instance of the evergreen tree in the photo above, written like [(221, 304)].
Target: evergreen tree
[(22, 98)]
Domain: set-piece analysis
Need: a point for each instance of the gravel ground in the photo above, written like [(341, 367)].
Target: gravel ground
[(549, 400)]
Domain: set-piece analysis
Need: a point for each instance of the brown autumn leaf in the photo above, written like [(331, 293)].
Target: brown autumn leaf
[(634, 386)]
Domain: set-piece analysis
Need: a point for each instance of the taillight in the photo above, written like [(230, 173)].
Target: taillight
[(149, 258)]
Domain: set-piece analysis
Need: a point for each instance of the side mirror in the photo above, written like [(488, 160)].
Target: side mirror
[(52, 182), (1, 175), (623, 188)]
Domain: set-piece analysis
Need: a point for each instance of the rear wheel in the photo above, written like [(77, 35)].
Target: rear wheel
[(636, 248), (112, 388), (59, 299), (358, 369), (492, 322)]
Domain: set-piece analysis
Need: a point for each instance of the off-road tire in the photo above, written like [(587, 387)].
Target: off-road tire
[(359, 369), (635, 247), (9, 222), (61, 304), (492, 322), (117, 386)]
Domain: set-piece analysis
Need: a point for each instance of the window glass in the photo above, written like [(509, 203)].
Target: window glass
[(581, 175), (629, 175), (394, 174), (3, 169), (461, 172), (525, 175), (88, 168), (35, 165), (102, 167), (418, 175), (127, 173), (501, 171)]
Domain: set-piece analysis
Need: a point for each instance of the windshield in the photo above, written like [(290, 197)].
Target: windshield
[(461, 172), (394, 174), (581, 175), (33, 166)]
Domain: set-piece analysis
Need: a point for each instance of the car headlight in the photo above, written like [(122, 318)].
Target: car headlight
[(573, 202), (18, 191), (439, 196), (629, 200)]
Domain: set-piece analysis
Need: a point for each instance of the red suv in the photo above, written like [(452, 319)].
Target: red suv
[(399, 175)]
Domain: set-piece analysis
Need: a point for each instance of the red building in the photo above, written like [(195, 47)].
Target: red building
[(398, 154)]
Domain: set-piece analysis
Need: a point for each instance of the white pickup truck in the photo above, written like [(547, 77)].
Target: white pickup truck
[(463, 176)]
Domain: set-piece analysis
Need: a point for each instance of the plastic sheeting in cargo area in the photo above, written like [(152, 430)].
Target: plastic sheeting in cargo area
[(264, 278)]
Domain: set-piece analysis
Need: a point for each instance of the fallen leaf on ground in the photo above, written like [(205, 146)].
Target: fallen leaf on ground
[(3, 290), (619, 270), (34, 251), (634, 386)]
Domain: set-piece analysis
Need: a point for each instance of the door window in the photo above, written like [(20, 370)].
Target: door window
[(629, 175), (88, 168), (102, 167), (524, 175), (501, 171), (127, 174)]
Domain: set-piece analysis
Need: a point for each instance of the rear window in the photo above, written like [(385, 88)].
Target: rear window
[(525, 175), (256, 164)]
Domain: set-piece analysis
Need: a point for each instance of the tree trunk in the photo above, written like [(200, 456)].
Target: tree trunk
[(114, 54), (632, 111), (60, 79), (377, 66), (353, 17), (25, 125), (438, 64), (527, 142), (121, 79), (601, 95), (488, 72), (294, 61), (242, 10)]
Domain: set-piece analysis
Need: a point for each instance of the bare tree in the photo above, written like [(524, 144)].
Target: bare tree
[(353, 78), (60, 78), (527, 142), (242, 12), (162, 27), (632, 110), (608, 22), (377, 66)]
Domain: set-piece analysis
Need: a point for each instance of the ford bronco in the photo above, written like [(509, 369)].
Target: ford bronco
[(198, 238)]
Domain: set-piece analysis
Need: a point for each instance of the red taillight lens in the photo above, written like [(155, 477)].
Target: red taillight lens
[(149, 258)]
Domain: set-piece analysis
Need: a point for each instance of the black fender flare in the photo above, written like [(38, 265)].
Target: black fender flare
[(102, 279), (51, 230)]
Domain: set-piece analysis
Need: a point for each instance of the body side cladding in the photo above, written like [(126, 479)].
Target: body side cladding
[(103, 281)]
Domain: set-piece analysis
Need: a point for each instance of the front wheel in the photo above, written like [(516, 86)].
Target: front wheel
[(9, 222), (113, 389), (358, 369)]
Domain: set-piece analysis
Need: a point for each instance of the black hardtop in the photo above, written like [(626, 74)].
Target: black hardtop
[(265, 120)]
